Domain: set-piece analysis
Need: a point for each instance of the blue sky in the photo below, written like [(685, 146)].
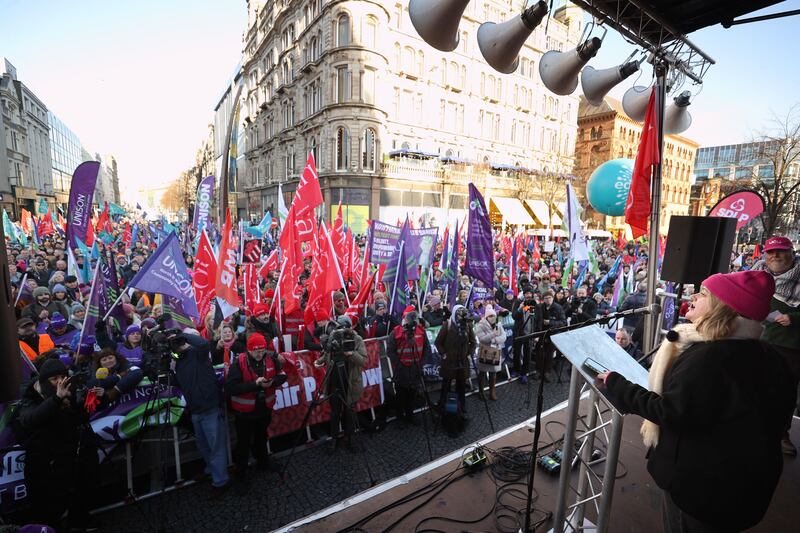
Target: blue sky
[(139, 78)]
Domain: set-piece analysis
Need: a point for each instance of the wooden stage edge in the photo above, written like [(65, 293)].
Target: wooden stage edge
[(636, 504)]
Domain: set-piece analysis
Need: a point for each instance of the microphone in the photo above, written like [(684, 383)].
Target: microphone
[(652, 308), (101, 373)]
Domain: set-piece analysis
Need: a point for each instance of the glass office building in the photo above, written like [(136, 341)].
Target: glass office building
[(65, 150)]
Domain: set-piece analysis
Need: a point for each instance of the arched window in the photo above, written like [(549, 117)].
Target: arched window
[(368, 150), (342, 149), (593, 134), (313, 49), (343, 30), (312, 147), (600, 132), (369, 32), (397, 58)]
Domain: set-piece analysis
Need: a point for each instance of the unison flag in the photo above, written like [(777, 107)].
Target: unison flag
[(202, 207), (479, 261), (166, 273)]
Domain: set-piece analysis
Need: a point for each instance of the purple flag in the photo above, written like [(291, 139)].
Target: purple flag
[(166, 273), (202, 206), (81, 193), (480, 257), (101, 298), (408, 260), (400, 295)]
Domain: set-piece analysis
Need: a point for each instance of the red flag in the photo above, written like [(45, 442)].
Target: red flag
[(90, 234), (227, 296), (292, 263), (204, 276), (103, 223), (339, 241), (364, 264), (756, 251), (269, 265), (359, 303), (126, 235), (306, 198), (46, 225), (621, 240), (354, 270), (26, 221), (324, 280), (536, 255), (62, 221), (637, 208), (252, 292)]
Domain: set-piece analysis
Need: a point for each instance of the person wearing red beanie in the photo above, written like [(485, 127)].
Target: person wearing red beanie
[(262, 322), (719, 397), (250, 385)]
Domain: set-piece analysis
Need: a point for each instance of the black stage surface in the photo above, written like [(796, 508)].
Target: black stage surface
[(636, 505)]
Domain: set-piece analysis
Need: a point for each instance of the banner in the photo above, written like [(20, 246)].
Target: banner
[(479, 262), (81, 193), (383, 238), (202, 205), (744, 206), (294, 397), (432, 362)]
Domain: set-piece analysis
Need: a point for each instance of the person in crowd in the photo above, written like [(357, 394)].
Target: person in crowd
[(406, 347), (624, 341), (128, 344), (61, 295), (491, 339), (250, 385), (605, 308), (195, 375), (507, 302), (718, 398), (500, 292), (40, 273), (77, 314), (527, 320), (339, 304), (121, 376), (381, 323), (60, 450), (782, 325), (634, 301), (61, 332), (581, 308), (261, 322), (312, 340), (434, 313), (73, 291), (15, 276), (226, 345), (344, 383), (42, 307), (456, 343), (32, 343)]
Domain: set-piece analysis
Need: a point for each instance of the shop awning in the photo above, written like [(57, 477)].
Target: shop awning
[(512, 210), (597, 233), (539, 208)]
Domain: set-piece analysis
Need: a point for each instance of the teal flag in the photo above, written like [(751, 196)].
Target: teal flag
[(43, 207)]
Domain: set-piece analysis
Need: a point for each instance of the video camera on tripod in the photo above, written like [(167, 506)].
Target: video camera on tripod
[(161, 344), (341, 340)]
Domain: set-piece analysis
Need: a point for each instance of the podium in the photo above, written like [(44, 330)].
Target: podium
[(578, 345)]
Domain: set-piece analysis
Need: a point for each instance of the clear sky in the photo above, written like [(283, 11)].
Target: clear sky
[(134, 78), (139, 79)]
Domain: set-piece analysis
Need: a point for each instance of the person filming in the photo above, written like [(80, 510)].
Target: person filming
[(406, 347), (343, 356), (717, 409)]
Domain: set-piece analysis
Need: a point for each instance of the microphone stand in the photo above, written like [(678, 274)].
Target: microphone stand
[(542, 337)]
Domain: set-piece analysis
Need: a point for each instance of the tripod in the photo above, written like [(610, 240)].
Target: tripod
[(481, 395), (319, 399), (417, 366)]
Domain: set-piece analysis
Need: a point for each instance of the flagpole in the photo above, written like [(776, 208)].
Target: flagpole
[(280, 278), (336, 263), (88, 303), (394, 285), (21, 285)]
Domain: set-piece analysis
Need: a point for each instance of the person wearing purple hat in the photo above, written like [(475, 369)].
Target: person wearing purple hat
[(129, 345), (782, 326), (61, 331), (718, 398)]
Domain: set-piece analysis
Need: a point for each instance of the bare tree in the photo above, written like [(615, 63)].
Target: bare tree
[(180, 194), (549, 186), (779, 148)]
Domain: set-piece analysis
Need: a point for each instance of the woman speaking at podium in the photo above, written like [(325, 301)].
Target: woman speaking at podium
[(717, 409)]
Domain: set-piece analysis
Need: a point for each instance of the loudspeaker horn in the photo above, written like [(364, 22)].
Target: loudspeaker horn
[(436, 21), (500, 43), (634, 102), (559, 70), (677, 118), (597, 83)]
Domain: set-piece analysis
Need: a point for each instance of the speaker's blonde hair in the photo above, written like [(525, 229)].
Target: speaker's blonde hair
[(719, 321)]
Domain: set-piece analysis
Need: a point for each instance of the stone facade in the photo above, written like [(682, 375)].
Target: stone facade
[(353, 83), (605, 132)]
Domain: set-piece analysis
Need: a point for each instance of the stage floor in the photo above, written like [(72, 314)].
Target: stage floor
[(636, 505)]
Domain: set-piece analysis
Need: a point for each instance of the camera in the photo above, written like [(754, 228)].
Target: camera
[(339, 342), (160, 344)]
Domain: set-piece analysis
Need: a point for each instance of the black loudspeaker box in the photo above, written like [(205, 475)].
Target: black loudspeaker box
[(697, 247)]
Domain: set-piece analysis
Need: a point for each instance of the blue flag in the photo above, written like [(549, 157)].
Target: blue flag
[(262, 228), (669, 308), (134, 233), (166, 273)]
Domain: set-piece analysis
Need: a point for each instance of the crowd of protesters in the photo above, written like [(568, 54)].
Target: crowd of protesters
[(545, 290)]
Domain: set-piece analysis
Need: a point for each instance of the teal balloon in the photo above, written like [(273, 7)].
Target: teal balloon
[(608, 186)]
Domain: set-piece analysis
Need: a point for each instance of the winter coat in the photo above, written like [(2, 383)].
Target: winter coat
[(493, 336), (124, 377), (633, 301), (554, 314), (195, 375), (721, 415), (356, 362), (33, 310), (456, 349), (406, 376), (436, 317)]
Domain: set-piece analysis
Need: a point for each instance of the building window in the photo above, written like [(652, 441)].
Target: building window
[(343, 30), (369, 32), (342, 149), (368, 86), (313, 149), (342, 84), (398, 16), (368, 150)]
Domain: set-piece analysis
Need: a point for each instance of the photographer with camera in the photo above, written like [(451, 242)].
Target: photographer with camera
[(581, 307), (195, 375), (60, 449), (406, 347), (527, 319), (456, 342), (252, 379), (344, 356)]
